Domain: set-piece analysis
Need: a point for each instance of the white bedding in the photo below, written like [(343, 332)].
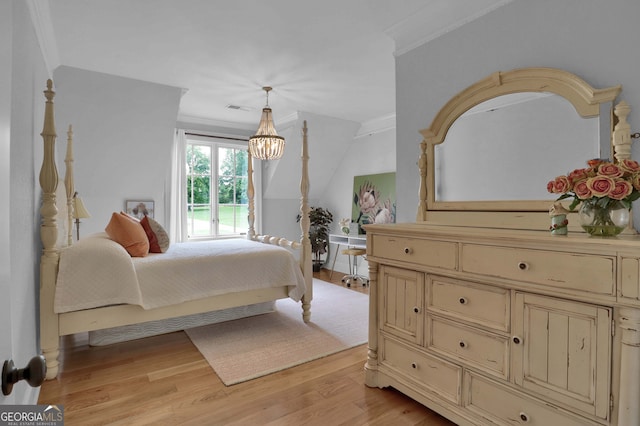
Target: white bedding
[(97, 271)]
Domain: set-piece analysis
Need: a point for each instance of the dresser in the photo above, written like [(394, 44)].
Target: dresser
[(503, 327)]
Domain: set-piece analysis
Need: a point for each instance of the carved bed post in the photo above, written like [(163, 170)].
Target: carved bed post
[(69, 185), (251, 233), (305, 252), (49, 340)]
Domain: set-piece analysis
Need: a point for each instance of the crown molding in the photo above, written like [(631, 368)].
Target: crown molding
[(284, 122), (411, 32), (191, 119), (41, 19), (378, 125), (294, 116)]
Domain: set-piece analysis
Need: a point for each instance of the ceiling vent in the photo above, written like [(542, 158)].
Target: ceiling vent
[(238, 107)]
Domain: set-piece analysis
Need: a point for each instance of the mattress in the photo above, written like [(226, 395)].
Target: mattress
[(97, 271)]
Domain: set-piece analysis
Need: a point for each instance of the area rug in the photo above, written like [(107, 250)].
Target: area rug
[(248, 348)]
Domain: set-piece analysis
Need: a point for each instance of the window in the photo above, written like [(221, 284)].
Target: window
[(217, 203)]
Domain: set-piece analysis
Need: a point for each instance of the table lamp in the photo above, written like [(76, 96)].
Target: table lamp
[(79, 212)]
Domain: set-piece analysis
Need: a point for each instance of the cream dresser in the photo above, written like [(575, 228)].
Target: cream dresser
[(499, 327), (476, 310)]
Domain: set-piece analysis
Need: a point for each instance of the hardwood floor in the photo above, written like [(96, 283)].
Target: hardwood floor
[(164, 380)]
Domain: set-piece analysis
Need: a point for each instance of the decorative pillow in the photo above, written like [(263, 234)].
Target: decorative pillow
[(154, 247), (160, 233), (129, 233)]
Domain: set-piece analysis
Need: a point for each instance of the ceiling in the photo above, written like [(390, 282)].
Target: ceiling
[(329, 57)]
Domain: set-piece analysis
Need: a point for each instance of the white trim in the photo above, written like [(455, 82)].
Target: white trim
[(217, 140), (378, 125), (190, 119), (288, 120), (224, 138), (411, 32), (43, 27)]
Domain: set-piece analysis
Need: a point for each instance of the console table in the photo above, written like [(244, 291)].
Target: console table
[(355, 241)]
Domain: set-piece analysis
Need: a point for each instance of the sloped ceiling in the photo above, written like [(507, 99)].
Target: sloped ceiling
[(330, 57), (330, 61)]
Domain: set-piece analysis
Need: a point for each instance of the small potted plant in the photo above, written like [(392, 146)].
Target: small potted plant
[(319, 219)]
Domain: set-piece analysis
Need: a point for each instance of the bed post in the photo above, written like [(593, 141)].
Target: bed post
[(69, 185), (305, 253), (49, 337), (251, 233)]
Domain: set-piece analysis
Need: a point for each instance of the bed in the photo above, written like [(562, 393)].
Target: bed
[(124, 291)]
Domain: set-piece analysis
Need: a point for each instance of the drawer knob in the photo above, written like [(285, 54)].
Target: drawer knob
[(414, 365), (462, 344), (523, 266), (516, 340), (524, 417), (416, 309), (463, 300), (407, 250)]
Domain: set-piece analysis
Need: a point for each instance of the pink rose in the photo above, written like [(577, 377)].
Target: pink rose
[(594, 163), (561, 185), (582, 190), (550, 186), (621, 190), (600, 186), (636, 182), (629, 166), (610, 169), (577, 175)]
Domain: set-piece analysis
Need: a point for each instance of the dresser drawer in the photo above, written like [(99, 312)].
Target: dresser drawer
[(481, 304), (440, 254), (438, 376), (483, 350), (505, 406), (589, 273)]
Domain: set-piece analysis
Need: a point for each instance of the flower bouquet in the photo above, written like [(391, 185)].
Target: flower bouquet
[(606, 191)]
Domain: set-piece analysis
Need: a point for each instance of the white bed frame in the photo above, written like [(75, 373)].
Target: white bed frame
[(53, 325)]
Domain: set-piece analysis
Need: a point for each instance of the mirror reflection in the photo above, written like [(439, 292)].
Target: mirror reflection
[(509, 147)]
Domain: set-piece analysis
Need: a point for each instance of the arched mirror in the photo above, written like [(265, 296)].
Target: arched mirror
[(490, 151)]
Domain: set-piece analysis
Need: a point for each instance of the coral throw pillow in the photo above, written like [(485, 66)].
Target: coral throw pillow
[(129, 233)]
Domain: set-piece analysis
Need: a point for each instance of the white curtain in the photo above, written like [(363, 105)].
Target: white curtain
[(177, 215)]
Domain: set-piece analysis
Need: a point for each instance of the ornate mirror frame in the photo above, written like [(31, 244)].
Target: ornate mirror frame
[(521, 214)]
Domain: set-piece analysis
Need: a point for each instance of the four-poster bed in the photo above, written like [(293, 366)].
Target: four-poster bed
[(56, 322)]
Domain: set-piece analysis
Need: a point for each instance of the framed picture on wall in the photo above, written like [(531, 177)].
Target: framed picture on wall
[(374, 199), (139, 209)]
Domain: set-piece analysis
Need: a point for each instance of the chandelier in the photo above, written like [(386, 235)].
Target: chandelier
[(266, 144)]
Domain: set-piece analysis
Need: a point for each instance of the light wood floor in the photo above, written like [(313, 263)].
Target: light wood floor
[(164, 380)]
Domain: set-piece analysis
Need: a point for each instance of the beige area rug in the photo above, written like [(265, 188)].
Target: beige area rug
[(248, 348)]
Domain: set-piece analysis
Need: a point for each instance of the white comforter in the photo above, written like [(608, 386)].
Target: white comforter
[(97, 271)]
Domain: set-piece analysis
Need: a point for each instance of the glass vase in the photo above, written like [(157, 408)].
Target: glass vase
[(603, 219)]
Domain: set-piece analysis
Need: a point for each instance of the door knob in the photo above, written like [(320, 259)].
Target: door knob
[(33, 373)]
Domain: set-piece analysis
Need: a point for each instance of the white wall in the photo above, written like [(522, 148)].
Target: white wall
[(593, 39), (23, 75), (335, 158), (6, 50), (329, 139), (371, 154), (123, 134)]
